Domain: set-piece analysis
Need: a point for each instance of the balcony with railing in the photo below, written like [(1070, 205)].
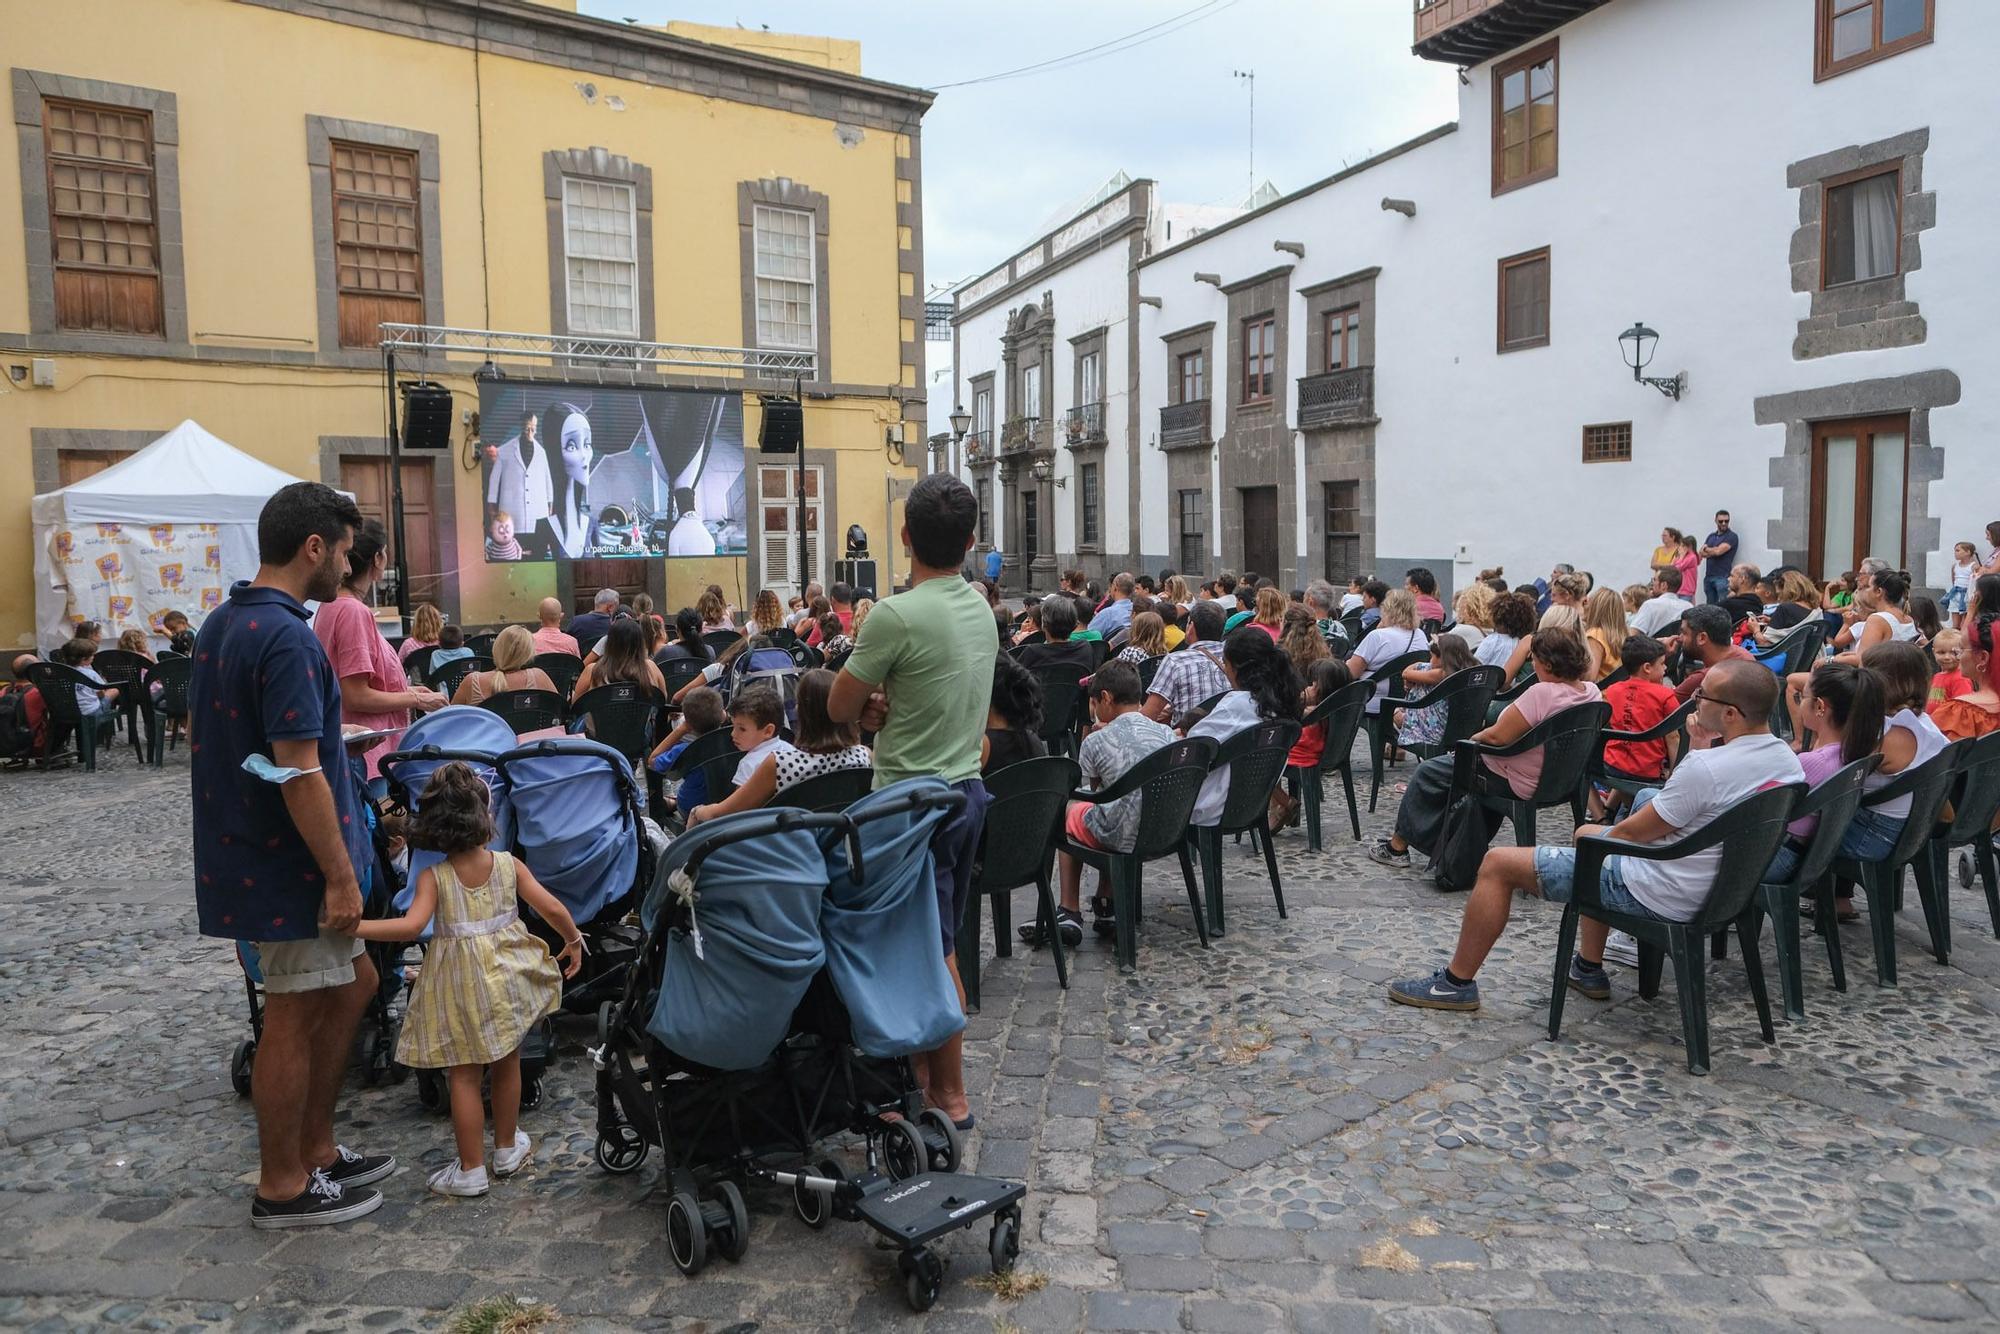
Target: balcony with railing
[(1467, 32), (1337, 398), (1185, 425), (979, 446), (1021, 434), (1083, 426)]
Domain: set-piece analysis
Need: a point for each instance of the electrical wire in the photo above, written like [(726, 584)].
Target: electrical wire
[(1114, 46)]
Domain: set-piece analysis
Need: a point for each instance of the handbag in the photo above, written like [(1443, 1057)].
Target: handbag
[(1461, 844)]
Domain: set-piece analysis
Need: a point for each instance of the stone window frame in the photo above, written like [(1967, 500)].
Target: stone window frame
[(444, 499), (983, 383), (1031, 339), (1800, 411), (321, 132), (31, 89), (1322, 299), (786, 193), (1196, 338), (1875, 313), (1089, 506), (1089, 452), (597, 164)]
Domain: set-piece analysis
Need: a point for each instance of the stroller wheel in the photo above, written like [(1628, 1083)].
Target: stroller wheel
[(240, 1062), (398, 1072), (734, 1241), (623, 1150), (1003, 1245), (813, 1208), (430, 1091), (904, 1152), (687, 1234), (531, 1092), (923, 1277), (941, 1138)]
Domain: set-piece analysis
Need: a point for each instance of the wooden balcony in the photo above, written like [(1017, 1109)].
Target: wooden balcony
[(1337, 398), (1185, 425), (1469, 32)]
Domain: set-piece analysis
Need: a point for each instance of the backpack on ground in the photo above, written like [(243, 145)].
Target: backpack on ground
[(23, 722)]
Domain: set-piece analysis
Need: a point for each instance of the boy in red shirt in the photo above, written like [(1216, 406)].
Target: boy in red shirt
[(1948, 647), (1641, 701)]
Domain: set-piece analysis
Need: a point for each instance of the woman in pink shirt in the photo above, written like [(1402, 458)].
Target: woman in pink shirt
[(374, 692), (1687, 563), (1561, 661)]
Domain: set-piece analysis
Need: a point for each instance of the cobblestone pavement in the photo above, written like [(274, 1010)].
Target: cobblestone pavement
[(1243, 1138)]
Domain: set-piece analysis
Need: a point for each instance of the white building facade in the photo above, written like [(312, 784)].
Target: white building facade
[(1418, 361)]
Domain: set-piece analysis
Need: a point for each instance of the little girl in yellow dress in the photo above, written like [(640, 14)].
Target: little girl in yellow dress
[(486, 981)]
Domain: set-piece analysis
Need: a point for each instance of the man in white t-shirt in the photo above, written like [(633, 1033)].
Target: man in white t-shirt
[(1734, 703), (1663, 610)]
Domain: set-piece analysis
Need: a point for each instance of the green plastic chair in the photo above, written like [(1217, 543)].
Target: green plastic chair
[(1340, 713), (1748, 836), (1168, 781), (1974, 803), (1463, 696), (1927, 785), (1255, 758), (1017, 847), (1835, 802)]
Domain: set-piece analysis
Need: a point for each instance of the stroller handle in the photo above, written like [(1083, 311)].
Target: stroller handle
[(429, 754), (776, 820)]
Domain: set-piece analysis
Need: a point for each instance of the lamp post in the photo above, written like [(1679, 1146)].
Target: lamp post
[(1044, 471), (961, 422), (1637, 344)]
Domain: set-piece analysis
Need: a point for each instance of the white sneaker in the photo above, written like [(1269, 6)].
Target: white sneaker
[(1622, 947), (455, 1179), (508, 1161)]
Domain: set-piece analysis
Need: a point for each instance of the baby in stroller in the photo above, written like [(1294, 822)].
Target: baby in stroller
[(788, 972)]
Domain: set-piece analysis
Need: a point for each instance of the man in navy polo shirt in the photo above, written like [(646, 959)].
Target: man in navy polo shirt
[(1720, 550), (276, 854)]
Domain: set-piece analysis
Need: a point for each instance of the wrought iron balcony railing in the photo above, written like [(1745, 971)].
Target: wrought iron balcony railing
[(1336, 398), (1185, 425), (1084, 425)]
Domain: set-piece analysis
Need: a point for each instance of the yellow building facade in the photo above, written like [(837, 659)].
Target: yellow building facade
[(170, 199)]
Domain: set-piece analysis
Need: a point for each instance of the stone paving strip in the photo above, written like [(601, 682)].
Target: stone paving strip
[(1246, 1138)]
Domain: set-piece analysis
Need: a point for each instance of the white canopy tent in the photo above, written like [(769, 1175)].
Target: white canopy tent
[(168, 529)]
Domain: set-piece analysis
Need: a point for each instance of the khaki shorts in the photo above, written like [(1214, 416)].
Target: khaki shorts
[(290, 966)]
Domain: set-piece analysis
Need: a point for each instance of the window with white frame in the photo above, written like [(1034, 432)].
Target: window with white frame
[(601, 254), (785, 295)]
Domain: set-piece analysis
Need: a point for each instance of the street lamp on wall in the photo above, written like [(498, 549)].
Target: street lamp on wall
[(961, 422), (1044, 470), (1637, 344)]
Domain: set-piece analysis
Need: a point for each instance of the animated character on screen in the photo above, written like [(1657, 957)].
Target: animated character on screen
[(690, 536), (500, 541), (519, 483), (569, 529)]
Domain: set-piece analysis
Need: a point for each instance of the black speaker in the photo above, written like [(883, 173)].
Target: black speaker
[(784, 426), (859, 573), (426, 416)]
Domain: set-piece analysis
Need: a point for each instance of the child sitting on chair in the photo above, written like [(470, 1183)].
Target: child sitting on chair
[(756, 716), (1420, 726), (822, 747), (451, 646), (1642, 701), (701, 713), (486, 981)]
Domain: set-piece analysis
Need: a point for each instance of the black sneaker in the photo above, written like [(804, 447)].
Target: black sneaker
[(322, 1201), (1069, 926), (349, 1168), (1589, 979)]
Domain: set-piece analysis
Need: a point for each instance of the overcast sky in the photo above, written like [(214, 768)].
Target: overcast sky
[(1335, 82)]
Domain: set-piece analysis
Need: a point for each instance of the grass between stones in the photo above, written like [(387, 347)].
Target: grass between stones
[(502, 1315)]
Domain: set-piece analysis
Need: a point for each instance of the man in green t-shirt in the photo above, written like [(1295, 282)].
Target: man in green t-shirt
[(921, 678)]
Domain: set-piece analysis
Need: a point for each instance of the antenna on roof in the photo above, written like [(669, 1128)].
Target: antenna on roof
[(1249, 77)]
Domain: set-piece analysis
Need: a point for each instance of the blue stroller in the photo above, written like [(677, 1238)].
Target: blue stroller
[(789, 969), (382, 1022), (580, 826)]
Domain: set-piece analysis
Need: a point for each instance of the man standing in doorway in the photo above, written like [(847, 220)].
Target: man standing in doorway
[(921, 676), (1720, 551), (277, 856)]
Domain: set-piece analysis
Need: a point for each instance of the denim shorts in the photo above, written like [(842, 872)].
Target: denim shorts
[(1956, 601), (1869, 837), (1555, 876)]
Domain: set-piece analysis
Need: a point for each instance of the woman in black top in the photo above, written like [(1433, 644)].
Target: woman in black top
[(1013, 718), (686, 642)]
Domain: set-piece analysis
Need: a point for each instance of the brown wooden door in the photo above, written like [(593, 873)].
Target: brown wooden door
[(1260, 530), (368, 478), (1860, 472), (627, 575), (73, 465)]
